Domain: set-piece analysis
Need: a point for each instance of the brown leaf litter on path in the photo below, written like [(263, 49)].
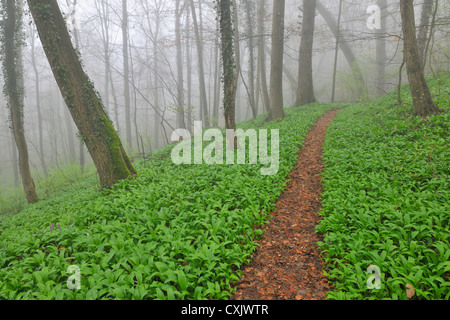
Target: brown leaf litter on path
[(287, 265)]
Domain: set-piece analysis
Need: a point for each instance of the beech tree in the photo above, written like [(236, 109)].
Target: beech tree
[(262, 55), (83, 101), (305, 91), (228, 60), (276, 66), (422, 101), (13, 74)]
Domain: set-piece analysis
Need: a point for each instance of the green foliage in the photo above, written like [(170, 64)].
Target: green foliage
[(386, 199), (59, 180), (174, 232)]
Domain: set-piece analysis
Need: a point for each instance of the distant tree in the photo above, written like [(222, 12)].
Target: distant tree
[(422, 101), (83, 101), (180, 85), (422, 34), (262, 55), (345, 48), (13, 74), (336, 51), (381, 49), (126, 72), (305, 91), (199, 41), (276, 66)]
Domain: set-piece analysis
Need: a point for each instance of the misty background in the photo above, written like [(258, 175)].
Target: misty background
[(149, 89)]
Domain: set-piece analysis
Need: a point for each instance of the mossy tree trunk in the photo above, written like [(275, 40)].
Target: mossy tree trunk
[(13, 73), (422, 101), (228, 60), (83, 101)]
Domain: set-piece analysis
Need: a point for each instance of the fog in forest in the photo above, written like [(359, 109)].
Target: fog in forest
[(166, 74)]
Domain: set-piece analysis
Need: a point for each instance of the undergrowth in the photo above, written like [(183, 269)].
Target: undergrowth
[(386, 199)]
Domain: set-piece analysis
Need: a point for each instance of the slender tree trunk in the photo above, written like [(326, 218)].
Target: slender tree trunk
[(126, 84), (180, 108), (38, 105), (381, 50), (85, 106), (422, 35), (336, 51), (305, 91), (277, 57), (14, 87), (422, 101), (251, 57), (216, 81), (189, 66), (360, 89), (77, 47), (262, 55), (156, 95)]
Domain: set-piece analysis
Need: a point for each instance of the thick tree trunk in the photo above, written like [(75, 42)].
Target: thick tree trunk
[(422, 101), (82, 99), (228, 60), (277, 56), (14, 88), (305, 91)]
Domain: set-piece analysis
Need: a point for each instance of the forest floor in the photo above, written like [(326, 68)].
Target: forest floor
[(287, 265)]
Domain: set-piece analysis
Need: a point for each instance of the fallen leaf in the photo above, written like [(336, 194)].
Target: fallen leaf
[(410, 291)]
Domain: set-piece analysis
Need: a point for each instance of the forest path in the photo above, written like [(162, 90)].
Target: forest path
[(287, 265)]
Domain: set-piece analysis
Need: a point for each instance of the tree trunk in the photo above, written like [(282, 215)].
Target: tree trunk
[(228, 60), (336, 52), (277, 56), (305, 91), (346, 50), (217, 75), (14, 87), (381, 57), (180, 108), (15, 160), (422, 101), (82, 99), (126, 84), (262, 55), (251, 57), (38, 105), (189, 67), (201, 72), (422, 35), (77, 47)]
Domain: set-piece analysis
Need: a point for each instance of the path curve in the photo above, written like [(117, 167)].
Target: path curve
[(287, 265)]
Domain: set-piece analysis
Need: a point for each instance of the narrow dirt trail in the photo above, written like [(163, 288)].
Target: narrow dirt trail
[(287, 265)]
